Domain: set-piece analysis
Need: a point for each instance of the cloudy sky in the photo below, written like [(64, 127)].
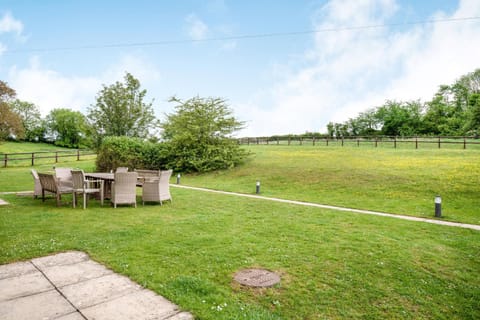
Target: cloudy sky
[(284, 66)]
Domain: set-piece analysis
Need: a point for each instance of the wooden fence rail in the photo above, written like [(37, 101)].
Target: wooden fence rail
[(375, 141), (32, 156)]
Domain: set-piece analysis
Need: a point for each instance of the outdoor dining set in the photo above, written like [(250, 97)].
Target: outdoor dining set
[(119, 186)]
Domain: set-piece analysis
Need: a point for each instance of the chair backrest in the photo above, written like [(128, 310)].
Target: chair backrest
[(48, 182), (125, 182), (37, 187), (148, 174), (165, 185), (78, 179), (64, 176), (165, 177), (122, 169), (34, 174)]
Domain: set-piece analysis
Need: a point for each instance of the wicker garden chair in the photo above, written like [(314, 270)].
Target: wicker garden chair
[(147, 175), (84, 186), (51, 184), (64, 176), (124, 188), (37, 188), (122, 169), (157, 189)]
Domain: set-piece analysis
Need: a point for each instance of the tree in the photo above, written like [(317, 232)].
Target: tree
[(472, 126), (67, 127), (120, 110), (400, 118), (31, 120), (10, 121), (199, 135)]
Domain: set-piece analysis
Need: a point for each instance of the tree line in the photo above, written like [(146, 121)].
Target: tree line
[(453, 111), (196, 137)]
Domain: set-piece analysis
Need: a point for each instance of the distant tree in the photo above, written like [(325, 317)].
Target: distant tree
[(400, 118), (31, 119), (199, 135), (472, 126), (67, 127), (10, 121), (120, 110)]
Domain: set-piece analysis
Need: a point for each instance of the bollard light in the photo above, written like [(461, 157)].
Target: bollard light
[(257, 190), (178, 178), (438, 206)]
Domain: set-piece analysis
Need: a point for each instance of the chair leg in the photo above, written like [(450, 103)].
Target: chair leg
[(84, 200), (74, 199)]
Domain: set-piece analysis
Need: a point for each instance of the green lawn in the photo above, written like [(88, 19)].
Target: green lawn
[(333, 265), (401, 181)]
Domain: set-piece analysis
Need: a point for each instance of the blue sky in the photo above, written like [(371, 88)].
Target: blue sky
[(58, 54)]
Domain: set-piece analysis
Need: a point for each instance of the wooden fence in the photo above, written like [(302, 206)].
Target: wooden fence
[(461, 142), (34, 156)]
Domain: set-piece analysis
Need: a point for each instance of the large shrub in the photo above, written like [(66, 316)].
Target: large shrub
[(199, 135), (133, 153)]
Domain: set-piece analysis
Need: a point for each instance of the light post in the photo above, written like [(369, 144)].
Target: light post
[(438, 206), (257, 189), (178, 178)]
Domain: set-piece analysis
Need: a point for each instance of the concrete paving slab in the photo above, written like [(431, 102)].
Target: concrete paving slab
[(62, 275), (47, 305), (16, 269), (78, 289), (181, 316), (60, 259), (143, 304), (3, 202), (23, 285), (95, 291), (71, 316)]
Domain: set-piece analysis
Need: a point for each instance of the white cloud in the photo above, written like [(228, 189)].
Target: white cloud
[(196, 28), (350, 71), (49, 89), (9, 24)]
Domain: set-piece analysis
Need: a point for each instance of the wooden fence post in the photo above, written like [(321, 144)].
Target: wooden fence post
[(416, 142), (6, 160), (56, 156), (439, 142), (464, 143), (327, 141), (342, 141), (395, 142), (78, 155), (33, 159)]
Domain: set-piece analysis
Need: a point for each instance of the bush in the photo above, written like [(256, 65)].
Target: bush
[(199, 136), (133, 153)]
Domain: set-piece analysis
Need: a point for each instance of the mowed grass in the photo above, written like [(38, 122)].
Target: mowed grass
[(399, 181), (333, 265)]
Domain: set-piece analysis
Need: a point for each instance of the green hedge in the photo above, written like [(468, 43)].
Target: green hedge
[(133, 153)]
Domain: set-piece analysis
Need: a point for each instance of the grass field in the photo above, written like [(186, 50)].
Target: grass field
[(333, 265), (389, 180)]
